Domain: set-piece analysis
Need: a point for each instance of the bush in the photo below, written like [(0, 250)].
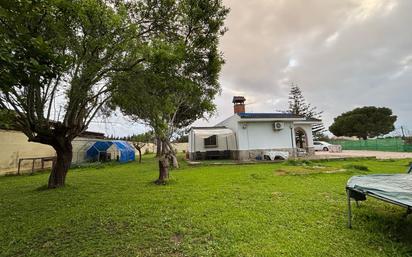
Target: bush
[(356, 167), (408, 140), (299, 162)]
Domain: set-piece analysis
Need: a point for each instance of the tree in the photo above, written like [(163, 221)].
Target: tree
[(299, 106), (364, 122), (182, 139), (7, 119), (55, 60), (140, 140), (179, 81), (145, 137)]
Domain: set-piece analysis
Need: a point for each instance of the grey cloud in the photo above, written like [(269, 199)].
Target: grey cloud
[(343, 54)]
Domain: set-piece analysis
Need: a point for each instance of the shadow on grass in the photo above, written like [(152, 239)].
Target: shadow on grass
[(393, 225), (42, 188)]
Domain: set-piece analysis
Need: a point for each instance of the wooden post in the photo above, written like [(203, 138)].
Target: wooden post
[(32, 166), (18, 167), (349, 209)]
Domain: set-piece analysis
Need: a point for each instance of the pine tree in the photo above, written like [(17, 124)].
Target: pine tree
[(299, 106)]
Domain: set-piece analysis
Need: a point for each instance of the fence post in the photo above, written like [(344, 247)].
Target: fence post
[(397, 145)]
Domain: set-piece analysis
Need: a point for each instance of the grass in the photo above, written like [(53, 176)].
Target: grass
[(229, 210)]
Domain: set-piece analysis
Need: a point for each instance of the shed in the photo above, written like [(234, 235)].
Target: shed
[(211, 142), (103, 150)]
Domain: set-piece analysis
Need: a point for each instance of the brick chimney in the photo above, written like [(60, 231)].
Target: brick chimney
[(239, 104)]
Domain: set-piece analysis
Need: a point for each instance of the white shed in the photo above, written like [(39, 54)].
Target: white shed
[(211, 142)]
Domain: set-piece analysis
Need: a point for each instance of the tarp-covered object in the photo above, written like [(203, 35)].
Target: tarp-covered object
[(394, 187), (391, 188), (127, 152)]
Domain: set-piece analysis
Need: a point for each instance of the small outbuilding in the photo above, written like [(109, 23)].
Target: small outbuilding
[(111, 150), (211, 143)]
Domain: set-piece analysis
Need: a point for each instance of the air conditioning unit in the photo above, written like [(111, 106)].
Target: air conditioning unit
[(278, 125)]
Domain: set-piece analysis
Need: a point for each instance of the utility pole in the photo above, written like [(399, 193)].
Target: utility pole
[(403, 133)]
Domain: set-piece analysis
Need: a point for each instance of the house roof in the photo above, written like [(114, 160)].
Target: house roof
[(216, 127), (278, 115), (313, 119), (92, 134), (249, 115)]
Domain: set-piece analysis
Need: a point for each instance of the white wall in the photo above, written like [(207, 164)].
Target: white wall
[(255, 135), (14, 145), (231, 123), (260, 135), (308, 130), (224, 141)]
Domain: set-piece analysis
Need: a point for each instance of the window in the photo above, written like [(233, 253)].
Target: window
[(211, 141)]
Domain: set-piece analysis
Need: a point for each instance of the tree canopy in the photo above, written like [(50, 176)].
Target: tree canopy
[(61, 62), (55, 60), (7, 119), (364, 122), (299, 106), (179, 79)]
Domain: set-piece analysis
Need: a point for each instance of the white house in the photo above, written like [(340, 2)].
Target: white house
[(247, 136)]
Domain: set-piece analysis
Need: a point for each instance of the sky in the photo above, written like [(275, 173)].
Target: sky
[(343, 54)]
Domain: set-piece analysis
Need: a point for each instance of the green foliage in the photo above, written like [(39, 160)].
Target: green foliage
[(50, 48), (299, 106), (56, 58), (364, 122), (144, 137), (7, 119), (298, 162), (230, 210), (356, 167), (182, 139), (408, 140), (179, 79)]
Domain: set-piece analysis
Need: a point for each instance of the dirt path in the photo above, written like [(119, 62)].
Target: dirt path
[(377, 154)]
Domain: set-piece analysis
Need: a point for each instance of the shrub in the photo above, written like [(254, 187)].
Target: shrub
[(356, 167), (408, 140), (299, 162)]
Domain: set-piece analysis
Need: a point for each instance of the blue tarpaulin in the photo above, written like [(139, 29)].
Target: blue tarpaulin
[(127, 152)]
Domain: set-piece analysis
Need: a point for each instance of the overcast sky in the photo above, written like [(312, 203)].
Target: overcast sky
[(342, 53)]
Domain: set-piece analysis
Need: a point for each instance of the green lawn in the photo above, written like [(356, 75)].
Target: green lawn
[(225, 210)]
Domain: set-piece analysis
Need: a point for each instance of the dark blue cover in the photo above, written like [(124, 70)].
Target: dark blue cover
[(127, 152)]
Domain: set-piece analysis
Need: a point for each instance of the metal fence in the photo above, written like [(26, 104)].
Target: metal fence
[(381, 144)]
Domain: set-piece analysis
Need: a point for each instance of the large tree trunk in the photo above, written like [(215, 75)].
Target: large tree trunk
[(172, 154), (163, 170), (174, 161), (158, 147), (140, 154), (64, 152)]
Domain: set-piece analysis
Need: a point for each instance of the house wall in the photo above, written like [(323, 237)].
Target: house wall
[(260, 135), (231, 123), (14, 145), (308, 130)]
